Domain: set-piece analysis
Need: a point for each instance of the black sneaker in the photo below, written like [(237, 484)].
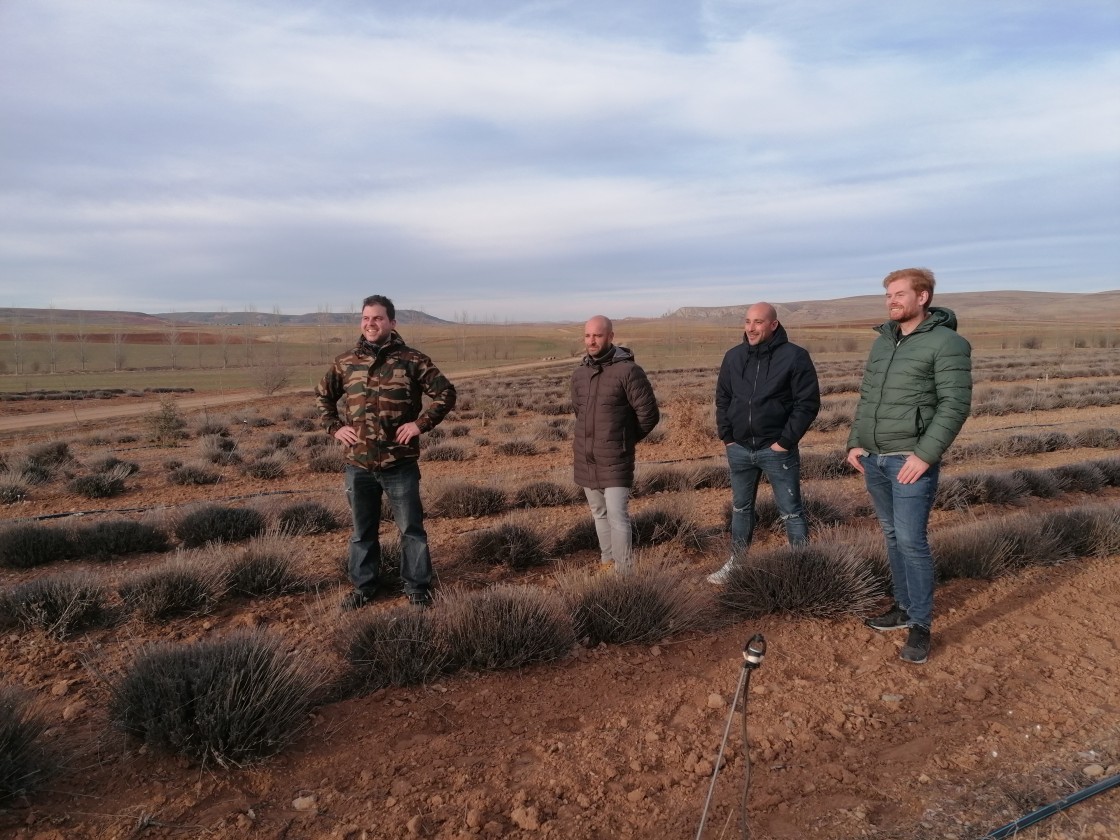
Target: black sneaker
[(893, 619), (916, 649), (420, 599), (357, 599)]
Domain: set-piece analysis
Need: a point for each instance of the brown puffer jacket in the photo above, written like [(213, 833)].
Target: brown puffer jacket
[(615, 408)]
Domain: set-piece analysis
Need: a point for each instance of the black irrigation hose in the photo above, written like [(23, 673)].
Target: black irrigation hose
[(1050, 810)]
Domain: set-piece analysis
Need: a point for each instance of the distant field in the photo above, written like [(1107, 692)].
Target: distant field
[(63, 356)]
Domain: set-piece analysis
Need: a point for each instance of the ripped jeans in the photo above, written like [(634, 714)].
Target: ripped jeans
[(783, 471)]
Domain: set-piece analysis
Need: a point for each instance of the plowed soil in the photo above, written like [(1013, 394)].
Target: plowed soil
[(1018, 706)]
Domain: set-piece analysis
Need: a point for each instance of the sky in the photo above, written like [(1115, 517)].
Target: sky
[(500, 160)]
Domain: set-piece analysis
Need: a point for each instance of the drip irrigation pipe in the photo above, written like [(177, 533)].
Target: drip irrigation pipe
[(1046, 811), (753, 653)]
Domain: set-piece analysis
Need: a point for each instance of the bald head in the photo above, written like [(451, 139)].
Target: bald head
[(760, 323), (598, 333)]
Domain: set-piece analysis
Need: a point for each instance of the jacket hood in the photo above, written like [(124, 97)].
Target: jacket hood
[(618, 354), (938, 316), (769, 345)]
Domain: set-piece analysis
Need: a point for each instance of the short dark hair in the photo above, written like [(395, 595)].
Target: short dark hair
[(381, 300)]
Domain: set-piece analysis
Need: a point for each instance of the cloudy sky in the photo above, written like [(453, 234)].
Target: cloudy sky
[(513, 160)]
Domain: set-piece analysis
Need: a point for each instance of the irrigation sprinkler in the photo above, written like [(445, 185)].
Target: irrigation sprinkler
[(753, 653)]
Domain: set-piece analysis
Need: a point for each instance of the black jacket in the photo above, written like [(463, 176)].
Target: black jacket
[(766, 394)]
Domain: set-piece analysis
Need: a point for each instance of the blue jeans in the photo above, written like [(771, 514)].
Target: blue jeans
[(783, 471), (402, 486), (903, 513), (610, 509)]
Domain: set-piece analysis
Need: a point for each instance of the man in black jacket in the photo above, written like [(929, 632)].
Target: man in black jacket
[(766, 398)]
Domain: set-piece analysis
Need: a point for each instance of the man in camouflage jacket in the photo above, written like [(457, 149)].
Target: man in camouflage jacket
[(380, 385)]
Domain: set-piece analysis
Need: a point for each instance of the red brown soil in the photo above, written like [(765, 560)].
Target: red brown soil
[(1021, 695)]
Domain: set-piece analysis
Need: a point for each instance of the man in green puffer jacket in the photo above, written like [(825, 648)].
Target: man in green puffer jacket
[(915, 397)]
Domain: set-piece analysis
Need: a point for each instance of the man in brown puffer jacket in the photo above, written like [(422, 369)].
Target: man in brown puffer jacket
[(615, 408)]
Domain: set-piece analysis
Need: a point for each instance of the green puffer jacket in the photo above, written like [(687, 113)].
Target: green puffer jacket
[(381, 395), (917, 389)]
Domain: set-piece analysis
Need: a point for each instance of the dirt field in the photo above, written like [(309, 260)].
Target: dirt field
[(1018, 706)]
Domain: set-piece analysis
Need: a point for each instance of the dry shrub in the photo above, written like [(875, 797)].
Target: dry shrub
[(218, 449), (116, 537), (1110, 469), (469, 500), (25, 761), (504, 627), (180, 586), (508, 544), (306, 518), (330, 460), (111, 463), (546, 494), (822, 580), (59, 605), (963, 491), (267, 567), (579, 537), (98, 485), (989, 548), (639, 607), (663, 524), (710, 477), (49, 455), (824, 465), (1088, 531), (1081, 478), (14, 487), (1042, 484), (1103, 438), (523, 446), (166, 425), (447, 452), (193, 474), (212, 427), (25, 546), (268, 467), (232, 701), (662, 480), (218, 523), (394, 647), (279, 440)]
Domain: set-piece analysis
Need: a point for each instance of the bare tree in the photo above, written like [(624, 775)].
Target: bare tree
[(17, 345), (250, 317), (174, 339), (52, 340), (83, 340), (276, 325), (118, 339), (322, 322), (223, 338)]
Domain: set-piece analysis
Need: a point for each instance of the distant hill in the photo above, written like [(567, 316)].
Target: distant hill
[(1097, 307), (99, 317)]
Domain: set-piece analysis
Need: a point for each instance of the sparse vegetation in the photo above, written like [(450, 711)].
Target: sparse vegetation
[(34, 544), (265, 568), (193, 474), (644, 606), (174, 588), (304, 518), (232, 701), (469, 500), (395, 647), (504, 627), (60, 605), (25, 761), (219, 523), (508, 544)]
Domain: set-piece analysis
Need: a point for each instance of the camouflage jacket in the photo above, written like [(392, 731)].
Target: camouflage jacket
[(379, 395)]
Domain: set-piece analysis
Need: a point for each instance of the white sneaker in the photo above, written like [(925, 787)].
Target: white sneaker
[(724, 573)]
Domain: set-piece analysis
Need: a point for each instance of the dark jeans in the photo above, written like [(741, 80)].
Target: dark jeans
[(401, 484), (903, 513), (783, 471)]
